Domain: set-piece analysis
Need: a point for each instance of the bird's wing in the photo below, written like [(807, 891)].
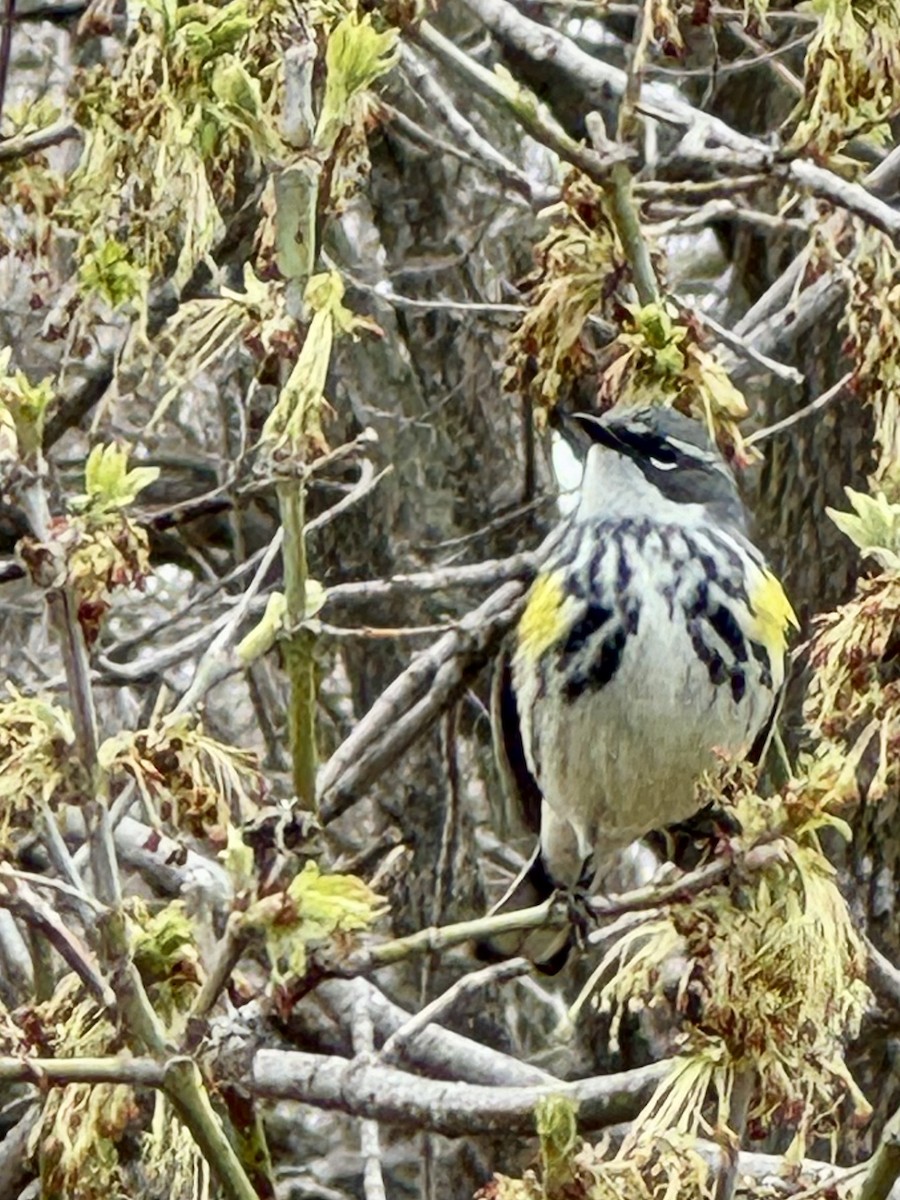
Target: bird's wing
[(522, 794)]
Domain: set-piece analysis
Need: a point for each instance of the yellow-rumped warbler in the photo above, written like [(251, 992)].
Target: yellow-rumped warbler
[(654, 635)]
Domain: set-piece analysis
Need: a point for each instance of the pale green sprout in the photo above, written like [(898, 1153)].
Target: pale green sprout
[(109, 485), (874, 527), (264, 634), (107, 270), (23, 407), (238, 860), (295, 421), (555, 1119), (357, 55), (315, 908)]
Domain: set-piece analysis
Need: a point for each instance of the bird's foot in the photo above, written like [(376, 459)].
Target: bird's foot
[(582, 916)]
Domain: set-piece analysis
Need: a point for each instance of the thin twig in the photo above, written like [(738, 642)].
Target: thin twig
[(542, 42), (26, 905), (428, 91), (369, 1140), (380, 633), (883, 977), (741, 346), (417, 697), (490, 573), (217, 664), (802, 413), (412, 703), (525, 108), (551, 913), (228, 952), (884, 178), (128, 997), (6, 28), (395, 1047), (443, 874), (770, 57), (23, 144), (618, 189), (434, 1051)]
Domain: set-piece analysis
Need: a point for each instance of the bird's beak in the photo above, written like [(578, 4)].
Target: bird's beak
[(595, 428)]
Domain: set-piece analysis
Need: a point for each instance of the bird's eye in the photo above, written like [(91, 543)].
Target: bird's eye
[(663, 466)]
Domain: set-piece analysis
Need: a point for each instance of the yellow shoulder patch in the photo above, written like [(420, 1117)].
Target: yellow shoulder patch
[(772, 613), (544, 620)]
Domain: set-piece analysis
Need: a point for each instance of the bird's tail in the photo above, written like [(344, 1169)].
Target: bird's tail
[(548, 949)]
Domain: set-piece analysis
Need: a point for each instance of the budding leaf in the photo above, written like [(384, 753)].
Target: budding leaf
[(109, 484), (875, 527), (356, 56)]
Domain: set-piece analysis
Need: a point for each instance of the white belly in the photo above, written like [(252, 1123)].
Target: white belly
[(622, 759)]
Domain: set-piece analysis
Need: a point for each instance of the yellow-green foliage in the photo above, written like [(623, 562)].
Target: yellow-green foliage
[(35, 753), (104, 549), (108, 484), (314, 909), (294, 426), (185, 777), (557, 1130), (30, 189), (764, 977), (194, 111), (167, 138), (164, 952), (23, 406), (853, 701), (356, 55), (81, 1124), (767, 977), (80, 1131), (657, 359), (851, 76), (205, 331), (578, 264), (171, 1160), (649, 1166)]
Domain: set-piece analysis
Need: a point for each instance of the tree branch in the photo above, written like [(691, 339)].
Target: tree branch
[(25, 904), (371, 1089), (884, 1166), (23, 144), (534, 117), (402, 713), (543, 43)]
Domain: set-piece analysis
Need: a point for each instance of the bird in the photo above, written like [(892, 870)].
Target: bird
[(654, 636)]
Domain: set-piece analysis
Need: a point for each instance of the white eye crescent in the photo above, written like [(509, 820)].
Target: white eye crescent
[(663, 466)]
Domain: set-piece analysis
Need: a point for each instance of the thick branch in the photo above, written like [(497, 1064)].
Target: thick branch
[(402, 713), (884, 1165), (371, 1089), (140, 1072)]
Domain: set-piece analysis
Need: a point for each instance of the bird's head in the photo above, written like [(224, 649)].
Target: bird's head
[(656, 462)]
